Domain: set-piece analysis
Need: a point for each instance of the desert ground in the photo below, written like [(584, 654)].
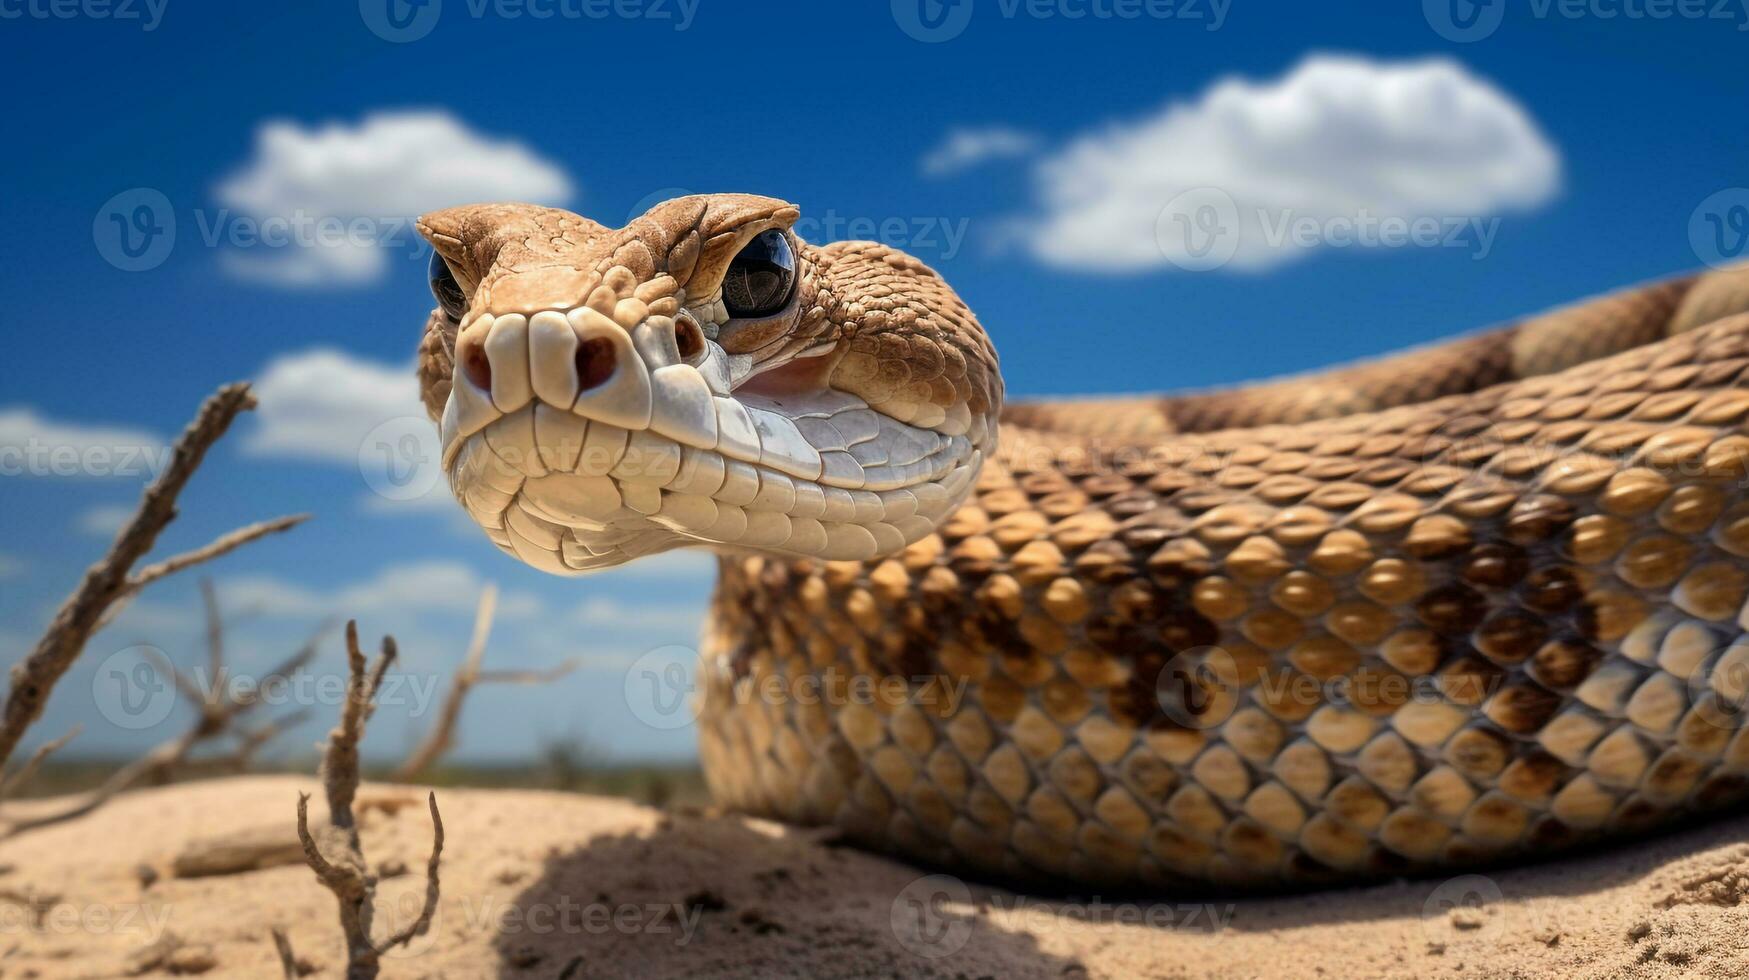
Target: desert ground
[(558, 885)]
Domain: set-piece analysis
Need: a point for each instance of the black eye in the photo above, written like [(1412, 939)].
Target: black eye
[(447, 291), (761, 277)]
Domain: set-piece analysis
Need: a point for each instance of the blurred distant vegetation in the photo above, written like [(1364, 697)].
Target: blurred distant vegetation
[(564, 767)]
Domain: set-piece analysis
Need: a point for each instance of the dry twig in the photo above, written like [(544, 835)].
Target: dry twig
[(347, 874), (220, 712), (288, 961), (31, 765), (109, 581), (441, 738)]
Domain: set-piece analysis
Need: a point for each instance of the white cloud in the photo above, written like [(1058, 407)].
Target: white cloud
[(33, 445), (412, 587), (333, 193), (103, 521), (321, 404), (1337, 139), (968, 147)]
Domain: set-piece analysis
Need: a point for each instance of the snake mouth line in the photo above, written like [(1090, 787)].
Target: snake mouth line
[(579, 442)]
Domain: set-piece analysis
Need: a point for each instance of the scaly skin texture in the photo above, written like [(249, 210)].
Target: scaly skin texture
[(1445, 608)]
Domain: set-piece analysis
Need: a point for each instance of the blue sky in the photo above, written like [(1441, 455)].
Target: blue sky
[(1570, 151)]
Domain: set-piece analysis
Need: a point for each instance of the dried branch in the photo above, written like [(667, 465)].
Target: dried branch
[(441, 738), (223, 545), (288, 961), (348, 875), (31, 765), (34, 678), (219, 714)]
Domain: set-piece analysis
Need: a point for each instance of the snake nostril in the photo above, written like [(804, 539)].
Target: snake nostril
[(476, 366), (688, 338), (595, 362)]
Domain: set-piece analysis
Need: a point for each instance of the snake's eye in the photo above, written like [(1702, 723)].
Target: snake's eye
[(447, 291), (761, 278)]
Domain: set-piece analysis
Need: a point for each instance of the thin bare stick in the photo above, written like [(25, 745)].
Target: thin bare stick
[(34, 678), (441, 738), (219, 711), (215, 630), (423, 922), (288, 961), (223, 545), (31, 765), (347, 874), (339, 769)]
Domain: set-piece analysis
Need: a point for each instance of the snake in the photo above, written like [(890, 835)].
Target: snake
[(1466, 604)]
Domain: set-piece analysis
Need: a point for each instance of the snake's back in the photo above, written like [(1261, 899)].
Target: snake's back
[(1473, 601)]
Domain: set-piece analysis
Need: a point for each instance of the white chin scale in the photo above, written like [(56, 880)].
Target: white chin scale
[(593, 443)]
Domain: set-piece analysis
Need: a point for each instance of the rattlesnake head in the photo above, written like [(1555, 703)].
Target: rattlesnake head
[(701, 376)]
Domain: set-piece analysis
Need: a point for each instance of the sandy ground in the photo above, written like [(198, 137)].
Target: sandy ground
[(545, 885)]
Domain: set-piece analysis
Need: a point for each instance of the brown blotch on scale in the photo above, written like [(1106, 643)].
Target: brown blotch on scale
[(1469, 680), (1551, 590), (1495, 566), (1522, 708), (1533, 777), (1477, 753), (1511, 636), (1451, 609), (1563, 663)]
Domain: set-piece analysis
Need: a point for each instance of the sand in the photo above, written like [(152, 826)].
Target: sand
[(548, 885)]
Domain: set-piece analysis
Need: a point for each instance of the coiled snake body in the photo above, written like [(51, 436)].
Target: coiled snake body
[(1470, 601)]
